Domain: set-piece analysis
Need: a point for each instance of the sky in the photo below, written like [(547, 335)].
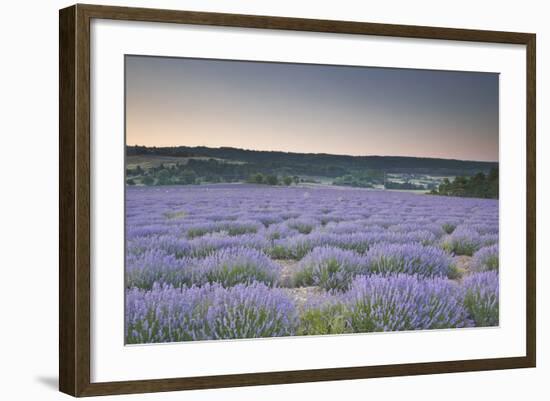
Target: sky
[(311, 108)]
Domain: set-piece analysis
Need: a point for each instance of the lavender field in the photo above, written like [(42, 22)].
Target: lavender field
[(233, 261)]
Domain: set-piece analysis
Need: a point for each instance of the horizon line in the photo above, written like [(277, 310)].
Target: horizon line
[(312, 153)]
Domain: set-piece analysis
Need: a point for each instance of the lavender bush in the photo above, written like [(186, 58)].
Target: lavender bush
[(231, 266), (486, 259), (481, 298), (463, 241), (324, 315), (412, 258), (155, 266), (302, 225), (196, 254), (404, 302), (210, 243), (231, 228), (329, 268), (211, 312)]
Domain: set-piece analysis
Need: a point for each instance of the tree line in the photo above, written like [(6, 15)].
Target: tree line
[(310, 164), (477, 186)]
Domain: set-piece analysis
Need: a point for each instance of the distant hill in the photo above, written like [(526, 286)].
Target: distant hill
[(311, 164)]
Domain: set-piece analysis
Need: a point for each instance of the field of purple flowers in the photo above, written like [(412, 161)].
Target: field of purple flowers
[(243, 261)]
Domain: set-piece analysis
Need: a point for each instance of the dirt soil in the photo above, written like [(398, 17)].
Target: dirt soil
[(302, 294), (464, 265), (288, 267)]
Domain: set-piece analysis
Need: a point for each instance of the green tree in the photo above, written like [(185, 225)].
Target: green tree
[(476, 186), (163, 177), (189, 177), (287, 180), (148, 180), (257, 178), (271, 180)]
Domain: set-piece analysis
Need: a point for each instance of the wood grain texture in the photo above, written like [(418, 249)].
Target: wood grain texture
[(531, 229), (74, 199), (67, 131)]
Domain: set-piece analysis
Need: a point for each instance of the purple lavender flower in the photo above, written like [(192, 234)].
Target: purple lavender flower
[(344, 227), (449, 225), (296, 247), (329, 268), (279, 231), (485, 228), (166, 243), (220, 236), (156, 266), (231, 266), (463, 241), (481, 292), (411, 258), (200, 229), (324, 314), (404, 302), (230, 227), (303, 225), (210, 243), (486, 259), (211, 312), (146, 230), (420, 226), (267, 219), (489, 239)]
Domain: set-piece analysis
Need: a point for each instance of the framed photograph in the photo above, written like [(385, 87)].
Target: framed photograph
[(250, 200)]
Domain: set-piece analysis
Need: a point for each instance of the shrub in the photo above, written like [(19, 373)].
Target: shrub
[(198, 230), (489, 239), (279, 252), (329, 268), (486, 259), (169, 244), (210, 243), (147, 180), (463, 241), (297, 246), (448, 227), (211, 312), (155, 266), (481, 292), (241, 227), (293, 247), (425, 261), (345, 227), (405, 228), (271, 180), (485, 228), (279, 231), (404, 302), (423, 237), (231, 266), (324, 315), (146, 231), (267, 219), (302, 225), (232, 228)]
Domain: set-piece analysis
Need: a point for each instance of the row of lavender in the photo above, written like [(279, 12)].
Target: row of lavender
[(203, 262), (327, 267)]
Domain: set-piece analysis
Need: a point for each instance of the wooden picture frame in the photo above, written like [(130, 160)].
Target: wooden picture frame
[(74, 200)]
